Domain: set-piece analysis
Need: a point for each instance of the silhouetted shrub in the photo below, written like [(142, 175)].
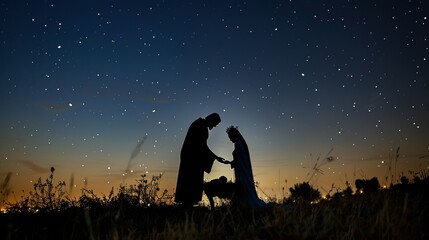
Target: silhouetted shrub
[(404, 180), (304, 193), (367, 186), (45, 197)]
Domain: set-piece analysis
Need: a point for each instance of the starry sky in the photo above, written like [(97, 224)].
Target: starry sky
[(322, 91)]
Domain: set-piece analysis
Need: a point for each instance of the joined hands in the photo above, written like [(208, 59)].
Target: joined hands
[(222, 160)]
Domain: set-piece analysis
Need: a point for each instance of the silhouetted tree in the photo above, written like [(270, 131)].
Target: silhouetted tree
[(404, 180), (367, 186), (347, 192), (304, 193)]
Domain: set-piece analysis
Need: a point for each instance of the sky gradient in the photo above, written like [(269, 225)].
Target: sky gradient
[(85, 84)]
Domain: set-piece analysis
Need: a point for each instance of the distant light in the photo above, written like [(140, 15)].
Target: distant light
[(70, 105), (59, 46)]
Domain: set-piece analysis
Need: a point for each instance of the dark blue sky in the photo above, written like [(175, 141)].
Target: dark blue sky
[(82, 82)]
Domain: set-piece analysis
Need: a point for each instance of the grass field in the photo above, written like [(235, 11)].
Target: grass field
[(137, 212)]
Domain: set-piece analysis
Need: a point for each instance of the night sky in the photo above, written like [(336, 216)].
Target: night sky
[(105, 91)]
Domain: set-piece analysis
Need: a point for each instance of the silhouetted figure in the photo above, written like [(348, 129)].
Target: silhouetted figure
[(195, 159), (246, 194), (219, 188)]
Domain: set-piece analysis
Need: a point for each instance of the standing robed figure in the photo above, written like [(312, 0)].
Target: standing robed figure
[(195, 159), (246, 194)]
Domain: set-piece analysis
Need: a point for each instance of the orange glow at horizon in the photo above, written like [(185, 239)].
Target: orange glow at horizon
[(273, 182)]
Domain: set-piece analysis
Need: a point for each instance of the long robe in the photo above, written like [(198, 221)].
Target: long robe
[(195, 159), (246, 195)]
